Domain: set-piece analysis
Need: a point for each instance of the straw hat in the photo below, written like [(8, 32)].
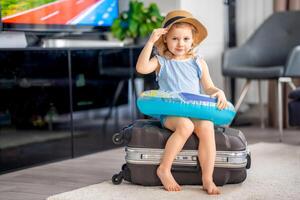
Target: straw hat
[(183, 16)]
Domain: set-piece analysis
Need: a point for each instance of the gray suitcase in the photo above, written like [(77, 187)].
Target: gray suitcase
[(145, 141)]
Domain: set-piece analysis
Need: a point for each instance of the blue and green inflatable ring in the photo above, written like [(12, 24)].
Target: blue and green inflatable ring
[(155, 103)]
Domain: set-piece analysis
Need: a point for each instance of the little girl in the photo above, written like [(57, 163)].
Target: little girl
[(178, 69)]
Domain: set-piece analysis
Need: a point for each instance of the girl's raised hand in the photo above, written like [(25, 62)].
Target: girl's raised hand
[(156, 33)]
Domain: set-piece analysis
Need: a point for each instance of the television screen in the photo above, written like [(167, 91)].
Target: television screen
[(58, 14)]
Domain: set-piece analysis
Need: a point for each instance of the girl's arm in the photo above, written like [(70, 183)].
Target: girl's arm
[(144, 64), (210, 88)]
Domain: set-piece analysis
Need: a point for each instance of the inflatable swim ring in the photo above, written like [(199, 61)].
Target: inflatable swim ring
[(155, 103)]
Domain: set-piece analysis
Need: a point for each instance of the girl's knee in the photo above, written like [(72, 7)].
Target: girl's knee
[(203, 128), (185, 127)]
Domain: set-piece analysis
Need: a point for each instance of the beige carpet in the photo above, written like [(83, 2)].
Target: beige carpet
[(274, 174)]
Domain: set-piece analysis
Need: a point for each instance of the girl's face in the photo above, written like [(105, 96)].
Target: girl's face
[(179, 40)]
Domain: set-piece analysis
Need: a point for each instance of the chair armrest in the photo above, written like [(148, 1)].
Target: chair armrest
[(293, 63)]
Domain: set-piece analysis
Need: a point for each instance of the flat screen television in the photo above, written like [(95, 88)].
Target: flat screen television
[(58, 15)]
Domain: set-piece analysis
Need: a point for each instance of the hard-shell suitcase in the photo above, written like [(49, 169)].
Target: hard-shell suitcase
[(145, 141)]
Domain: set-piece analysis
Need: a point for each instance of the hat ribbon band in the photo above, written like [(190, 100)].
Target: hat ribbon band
[(170, 21)]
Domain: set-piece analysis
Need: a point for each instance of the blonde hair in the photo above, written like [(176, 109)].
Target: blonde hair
[(162, 48)]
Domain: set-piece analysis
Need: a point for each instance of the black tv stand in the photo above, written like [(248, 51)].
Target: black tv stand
[(36, 39), (75, 39)]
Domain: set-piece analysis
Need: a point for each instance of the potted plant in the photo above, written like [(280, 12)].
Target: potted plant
[(138, 22)]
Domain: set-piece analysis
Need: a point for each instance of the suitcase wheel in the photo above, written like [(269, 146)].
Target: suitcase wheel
[(117, 138), (248, 161), (117, 179), (124, 167)]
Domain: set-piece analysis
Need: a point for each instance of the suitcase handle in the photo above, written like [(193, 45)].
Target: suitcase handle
[(193, 169)]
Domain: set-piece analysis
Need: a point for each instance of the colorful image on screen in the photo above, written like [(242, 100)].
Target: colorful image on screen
[(60, 12)]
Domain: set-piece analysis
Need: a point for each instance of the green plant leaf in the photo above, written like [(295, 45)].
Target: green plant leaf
[(137, 21), (117, 30), (143, 30), (133, 28)]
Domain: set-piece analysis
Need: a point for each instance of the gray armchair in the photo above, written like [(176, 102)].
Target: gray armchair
[(272, 52)]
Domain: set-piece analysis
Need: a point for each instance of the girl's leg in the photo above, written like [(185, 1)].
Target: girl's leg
[(183, 129), (206, 153)]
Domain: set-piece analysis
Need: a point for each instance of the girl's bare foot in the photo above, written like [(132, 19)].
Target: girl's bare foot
[(167, 179), (210, 187)]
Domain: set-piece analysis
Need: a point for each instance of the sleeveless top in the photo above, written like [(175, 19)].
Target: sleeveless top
[(179, 75)]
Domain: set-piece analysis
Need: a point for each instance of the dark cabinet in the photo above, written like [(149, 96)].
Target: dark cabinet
[(53, 100)]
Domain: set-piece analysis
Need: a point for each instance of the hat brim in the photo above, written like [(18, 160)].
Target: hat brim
[(201, 32)]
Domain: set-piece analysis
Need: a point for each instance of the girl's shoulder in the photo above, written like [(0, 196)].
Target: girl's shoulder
[(159, 56), (198, 57), (161, 59), (199, 60)]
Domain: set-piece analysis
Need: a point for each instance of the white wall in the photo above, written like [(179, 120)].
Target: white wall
[(251, 14), (165, 5)]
